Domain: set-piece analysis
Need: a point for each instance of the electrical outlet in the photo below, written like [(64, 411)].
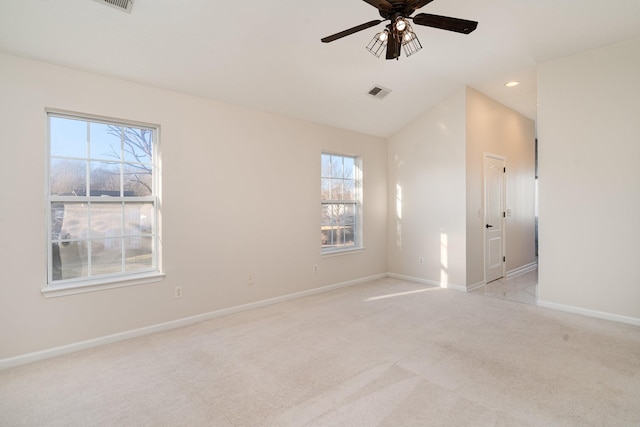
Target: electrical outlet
[(420, 261), (315, 268), (251, 279), (177, 292)]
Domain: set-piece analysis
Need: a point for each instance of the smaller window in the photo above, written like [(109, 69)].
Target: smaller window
[(340, 199)]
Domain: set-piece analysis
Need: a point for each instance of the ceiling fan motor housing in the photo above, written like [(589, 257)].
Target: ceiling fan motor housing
[(389, 9)]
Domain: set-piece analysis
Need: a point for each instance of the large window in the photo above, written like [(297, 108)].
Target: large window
[(340, 198), (102, 201)]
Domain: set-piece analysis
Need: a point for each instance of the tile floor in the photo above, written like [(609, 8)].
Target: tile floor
[(522, 288)]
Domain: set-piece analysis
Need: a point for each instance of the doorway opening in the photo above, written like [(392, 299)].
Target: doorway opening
[(520, 285)]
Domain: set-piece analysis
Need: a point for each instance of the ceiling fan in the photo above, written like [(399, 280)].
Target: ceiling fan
[(398, 33)]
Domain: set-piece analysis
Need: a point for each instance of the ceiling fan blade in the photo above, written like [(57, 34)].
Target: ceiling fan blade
[(350, 31), (393, 48), (384, 7), (380, 3), (417, 4), (445, 23)]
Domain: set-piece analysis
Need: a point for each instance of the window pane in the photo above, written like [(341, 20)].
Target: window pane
[(105, 141), (349, 214), (326, 165), (338, 225), (68, 177), (325, 189), (326, 236), (327, 215), (326, 225), (338, 214), (349, 188), (56, 262), (69, 221), (105, 179), (72, 260), (106, 256), (138, 253), (138, 219), (137, 180), (336, 189), (68, 137), (138, 145), (336, 166), (348, 236), (337, 238), (57, 220), (349, 221), (106, 220), (349, 167)]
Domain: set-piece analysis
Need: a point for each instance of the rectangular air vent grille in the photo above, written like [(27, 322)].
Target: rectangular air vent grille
[(123, 5), (379, 92)]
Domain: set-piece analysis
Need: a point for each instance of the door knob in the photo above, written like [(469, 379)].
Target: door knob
[(489, 226)]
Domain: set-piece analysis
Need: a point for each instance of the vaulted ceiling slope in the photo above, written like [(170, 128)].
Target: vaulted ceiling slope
[(268, 55)]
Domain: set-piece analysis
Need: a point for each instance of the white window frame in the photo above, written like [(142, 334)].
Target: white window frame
[(55, 288), (358, 244)]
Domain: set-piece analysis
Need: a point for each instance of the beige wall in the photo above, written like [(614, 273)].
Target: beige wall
[(496, 129), (240, 196), (427, 196), (589, 154)]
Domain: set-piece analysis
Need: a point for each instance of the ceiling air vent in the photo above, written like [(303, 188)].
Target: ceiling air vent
[(123, 5), (379, 92)]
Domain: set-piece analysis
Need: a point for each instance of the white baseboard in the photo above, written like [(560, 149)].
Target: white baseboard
[(122, 336), (476, 286), (522, 270), (427, 282), (589, 313)]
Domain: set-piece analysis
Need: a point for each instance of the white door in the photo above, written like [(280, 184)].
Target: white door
[(494, 190)]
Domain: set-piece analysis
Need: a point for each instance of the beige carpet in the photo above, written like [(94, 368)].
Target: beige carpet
[(388, 353)]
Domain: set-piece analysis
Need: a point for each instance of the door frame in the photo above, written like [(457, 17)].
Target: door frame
[(503, 218)]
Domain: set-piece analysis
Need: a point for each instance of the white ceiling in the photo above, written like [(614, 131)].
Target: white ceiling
[(268, 54)]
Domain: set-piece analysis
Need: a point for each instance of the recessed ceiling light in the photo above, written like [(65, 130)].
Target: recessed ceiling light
[(512, 84)]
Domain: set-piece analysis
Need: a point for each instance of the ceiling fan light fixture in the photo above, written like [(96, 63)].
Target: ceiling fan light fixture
[(411, 44), (377, 45), (401, 24)]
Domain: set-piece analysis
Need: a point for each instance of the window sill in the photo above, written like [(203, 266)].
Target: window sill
[(53, 291), (338, 252)]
